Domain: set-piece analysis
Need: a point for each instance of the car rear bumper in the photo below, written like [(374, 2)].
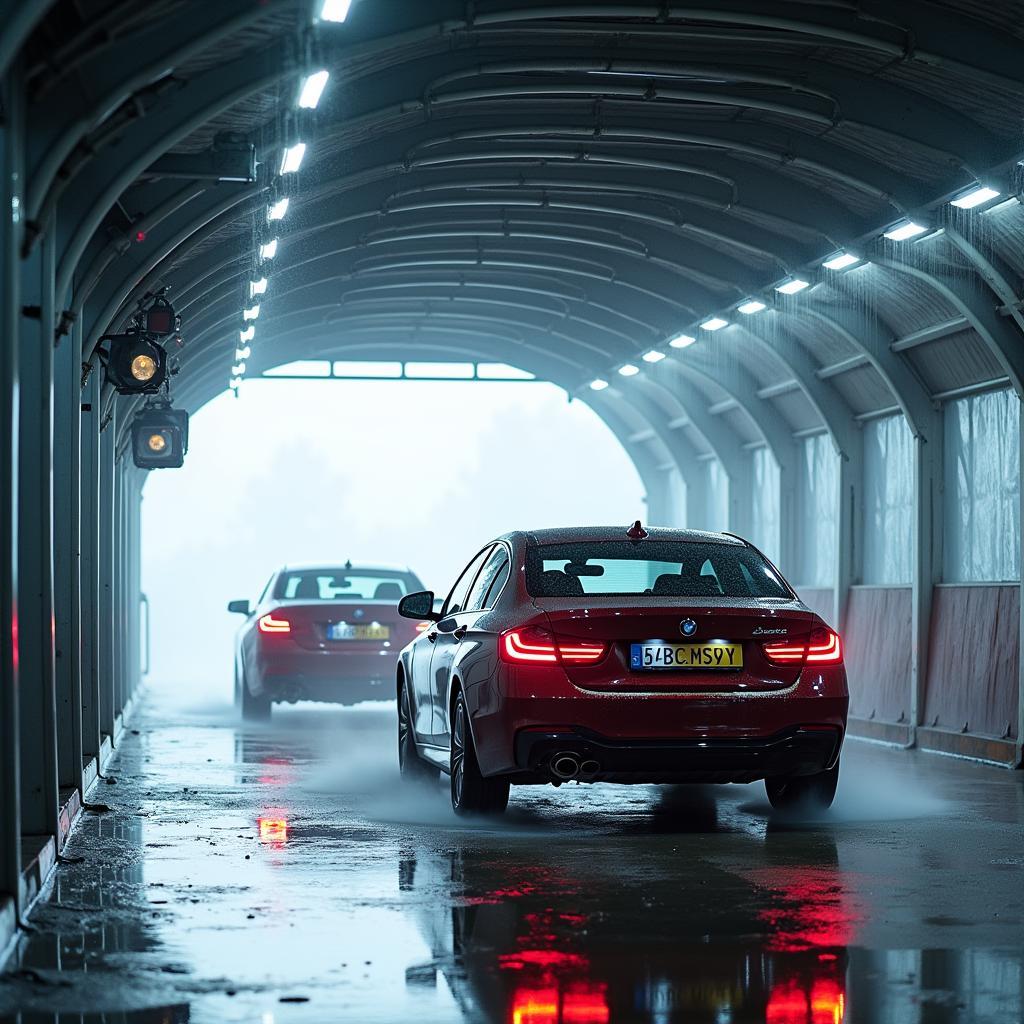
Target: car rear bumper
[(798, 750), (331, 676)]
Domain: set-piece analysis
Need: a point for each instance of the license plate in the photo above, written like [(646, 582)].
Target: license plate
[(665, 655), (349, 631)]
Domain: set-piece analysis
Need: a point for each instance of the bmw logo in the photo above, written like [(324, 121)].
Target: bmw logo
[(358, 613), (687, 627)]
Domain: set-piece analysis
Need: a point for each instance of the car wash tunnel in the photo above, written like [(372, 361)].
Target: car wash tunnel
[(694, 694)]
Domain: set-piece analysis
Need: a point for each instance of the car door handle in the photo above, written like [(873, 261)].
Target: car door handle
[(432, 635), (459, 633)]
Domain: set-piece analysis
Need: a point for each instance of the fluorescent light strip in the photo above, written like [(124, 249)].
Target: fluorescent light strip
[(312, 88), (268, 250), (753, 306), (792, 286), (654, 356), (681, 341), (276, 211), (291, 158), (978, 195), (841, 261), (335, 10), (714, 323), (901, 232), (598, 384), (257, 287)]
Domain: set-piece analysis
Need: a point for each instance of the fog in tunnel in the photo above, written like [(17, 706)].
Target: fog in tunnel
[(411, 473)]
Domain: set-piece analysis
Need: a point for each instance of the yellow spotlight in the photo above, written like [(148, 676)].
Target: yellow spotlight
[(143, 367), (157, 442)]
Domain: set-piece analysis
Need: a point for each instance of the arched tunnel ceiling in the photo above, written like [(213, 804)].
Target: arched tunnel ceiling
[(559, 187)]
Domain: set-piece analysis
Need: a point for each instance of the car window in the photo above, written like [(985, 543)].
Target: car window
[(478, 592), (457, 598), (661, 568), (344, 585), (497, 583)]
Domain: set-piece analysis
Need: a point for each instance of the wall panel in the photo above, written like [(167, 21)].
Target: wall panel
[(878, 651)]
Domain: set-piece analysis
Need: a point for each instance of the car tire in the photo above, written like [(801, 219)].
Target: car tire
[(411, 767), (472, 793), (254, 709), (810, 792)]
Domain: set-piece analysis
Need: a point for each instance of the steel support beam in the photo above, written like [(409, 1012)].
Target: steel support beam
[(37, 699)]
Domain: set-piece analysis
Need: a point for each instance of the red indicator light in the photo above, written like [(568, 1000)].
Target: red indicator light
[(140, 236), (268, 624), (533, 645), (823, 647)]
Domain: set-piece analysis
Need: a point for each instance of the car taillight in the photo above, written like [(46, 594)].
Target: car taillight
[(822, 647), (268, 624), (533, 645)]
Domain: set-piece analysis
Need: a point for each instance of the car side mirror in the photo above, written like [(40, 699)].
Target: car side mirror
[(418, 606), (239, 607)]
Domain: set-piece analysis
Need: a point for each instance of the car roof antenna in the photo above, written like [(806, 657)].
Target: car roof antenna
[(636, 531)]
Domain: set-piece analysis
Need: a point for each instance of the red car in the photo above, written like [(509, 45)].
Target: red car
[(608, 654), (325, 633)]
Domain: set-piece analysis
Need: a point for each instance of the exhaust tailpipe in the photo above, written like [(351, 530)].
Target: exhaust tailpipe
[(590, 768), (565, 766)]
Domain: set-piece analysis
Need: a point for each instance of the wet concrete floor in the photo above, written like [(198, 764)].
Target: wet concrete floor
[(279, 873)]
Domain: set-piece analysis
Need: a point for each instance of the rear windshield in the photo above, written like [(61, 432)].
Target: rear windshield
[(666, 568), (345, 585)]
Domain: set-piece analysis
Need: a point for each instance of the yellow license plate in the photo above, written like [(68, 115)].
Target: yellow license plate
[(349, 631), (706, 656)]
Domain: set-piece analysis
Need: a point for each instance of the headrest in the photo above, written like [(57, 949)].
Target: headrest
[(556, 583), (388, 592)]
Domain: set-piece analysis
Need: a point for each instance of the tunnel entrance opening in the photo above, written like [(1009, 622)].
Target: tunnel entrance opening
[(409, 472)]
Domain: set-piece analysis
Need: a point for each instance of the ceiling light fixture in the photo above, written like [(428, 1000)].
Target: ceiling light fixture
[(907, 229), (629, 370), (251, 313), (335, 10), (598, 384), (312, 88), (248, 334), (681, 341), (257, 287), (714, 323), (751, 306), (975, 197), (792, 286), (840, 261), (291, 158), (654, 356), (276, 211), (268, 250)]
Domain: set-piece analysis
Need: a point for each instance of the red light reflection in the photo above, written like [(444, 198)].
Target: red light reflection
[(792, 1003), (580, 1003), (273, 831)]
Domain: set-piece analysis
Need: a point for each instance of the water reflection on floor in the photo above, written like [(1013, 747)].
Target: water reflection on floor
[(279, 873)]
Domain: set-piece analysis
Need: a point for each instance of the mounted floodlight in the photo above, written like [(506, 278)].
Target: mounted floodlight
[(291, 158), (907, 229), (751, 306), (598, 384), (654, 356), (268, 250), (160, 319), (841, 261), (312, 88), (792, 286), (335, 10), (682, 341), (136, 364), (714, 323), (975, 197), (252, 312), (257, 287), (248, 334), (276, 211), (629, 370), (160, 438)]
